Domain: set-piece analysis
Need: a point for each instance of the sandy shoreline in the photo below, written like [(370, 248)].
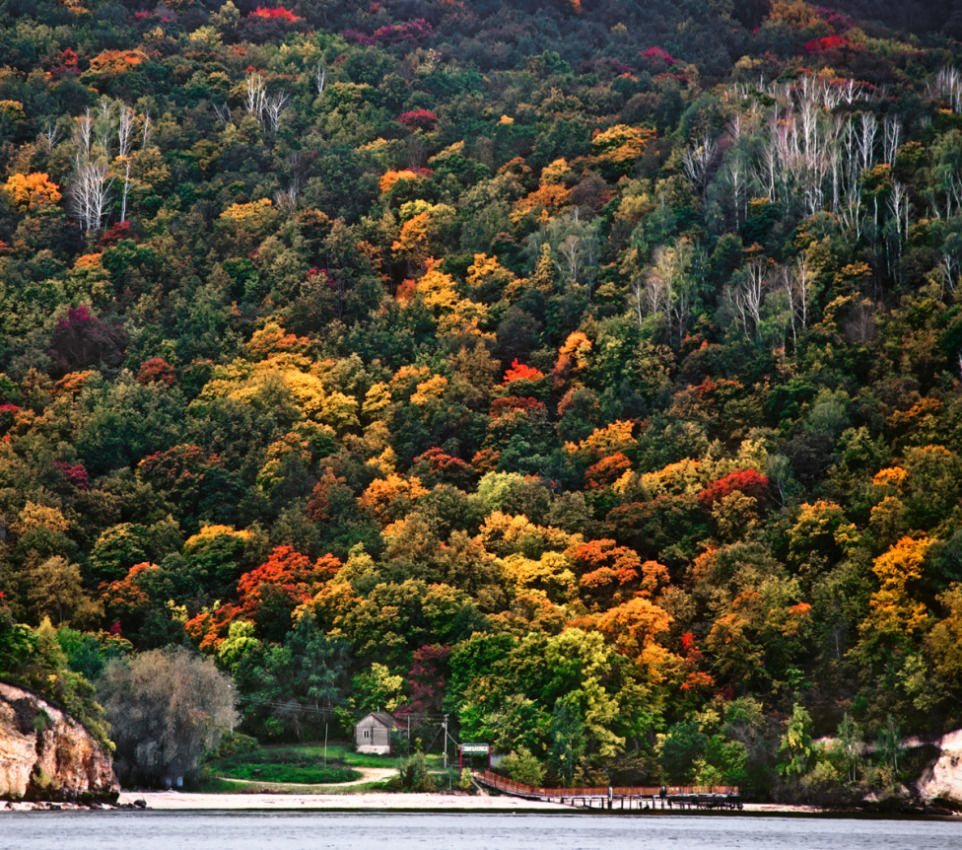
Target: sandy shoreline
[(377, 802), (374, 802), (187, 801)]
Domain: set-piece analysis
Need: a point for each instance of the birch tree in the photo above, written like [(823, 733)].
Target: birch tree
[(747, 294), (698, 162), (125, 129), (271, 113), (266, 108), (670, 286), (948, 87), (82, 135), (50, 134), (89, 194), (891, 134), (796, 282), (255, 95)]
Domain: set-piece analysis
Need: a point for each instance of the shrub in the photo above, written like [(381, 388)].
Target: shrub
[(522, 766), (414, 776)]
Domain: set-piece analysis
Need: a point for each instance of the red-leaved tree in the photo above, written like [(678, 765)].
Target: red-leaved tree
[(746, 481), (82, 339)]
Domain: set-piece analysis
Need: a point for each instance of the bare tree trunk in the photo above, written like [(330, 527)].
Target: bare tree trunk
[(89, 195), (50, 134), (797, 286), (866, 142), (255, 96), (124, 133), (82, 135), (698, 162), (748, 296), (891, 131), (271, 112)]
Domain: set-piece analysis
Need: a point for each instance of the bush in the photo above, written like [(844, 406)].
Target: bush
[(524, 767), (233, 744), (414, 774)]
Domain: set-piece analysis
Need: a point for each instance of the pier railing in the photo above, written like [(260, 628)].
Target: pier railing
[(519, 789)]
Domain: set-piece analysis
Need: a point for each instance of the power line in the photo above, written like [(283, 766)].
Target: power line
[(326, 711)]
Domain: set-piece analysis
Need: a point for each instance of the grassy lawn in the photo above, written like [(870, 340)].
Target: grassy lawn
[(343, 753), (302, 772), (304, 765), (296, 769), (216, 785)]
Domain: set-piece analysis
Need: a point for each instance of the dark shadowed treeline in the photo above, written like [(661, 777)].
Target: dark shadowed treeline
[(917, 16)]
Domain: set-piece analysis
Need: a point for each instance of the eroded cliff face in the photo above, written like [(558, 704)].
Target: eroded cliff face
[(942, 782), (47, 755)]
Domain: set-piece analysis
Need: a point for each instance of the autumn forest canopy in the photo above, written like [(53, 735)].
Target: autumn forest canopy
[(588, 371)]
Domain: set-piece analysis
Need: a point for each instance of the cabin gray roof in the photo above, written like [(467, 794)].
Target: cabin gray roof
[(383, 718)]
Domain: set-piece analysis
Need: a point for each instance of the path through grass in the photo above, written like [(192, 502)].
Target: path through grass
[(298, 768)]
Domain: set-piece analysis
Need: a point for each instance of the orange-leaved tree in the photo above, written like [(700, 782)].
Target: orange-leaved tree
[(31, 191), (634, 628), (391, 498), (270, 594)]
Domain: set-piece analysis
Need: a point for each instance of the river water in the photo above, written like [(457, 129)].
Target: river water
[(154, 830)]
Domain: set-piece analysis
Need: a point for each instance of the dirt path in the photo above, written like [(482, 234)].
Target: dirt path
[(371, 774)]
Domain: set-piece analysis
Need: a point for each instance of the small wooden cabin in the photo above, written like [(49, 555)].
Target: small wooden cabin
[(372, 733)]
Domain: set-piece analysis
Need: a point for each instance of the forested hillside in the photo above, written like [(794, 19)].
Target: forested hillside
[(587, 370), (918, 16)]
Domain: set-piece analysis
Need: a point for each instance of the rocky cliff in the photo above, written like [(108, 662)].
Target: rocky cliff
[(942, 782), (47, 755)]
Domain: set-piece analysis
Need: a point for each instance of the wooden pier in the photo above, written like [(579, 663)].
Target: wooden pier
[(617, 799)]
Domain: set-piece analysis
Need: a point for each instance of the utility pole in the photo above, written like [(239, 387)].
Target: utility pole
[(445, 742)]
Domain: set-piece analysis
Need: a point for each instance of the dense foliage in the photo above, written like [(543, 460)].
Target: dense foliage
[(589, 371), (166, 708)]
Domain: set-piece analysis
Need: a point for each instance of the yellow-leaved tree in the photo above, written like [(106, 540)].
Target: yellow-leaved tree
[(31, 191), (892, 610), (619, 147)]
